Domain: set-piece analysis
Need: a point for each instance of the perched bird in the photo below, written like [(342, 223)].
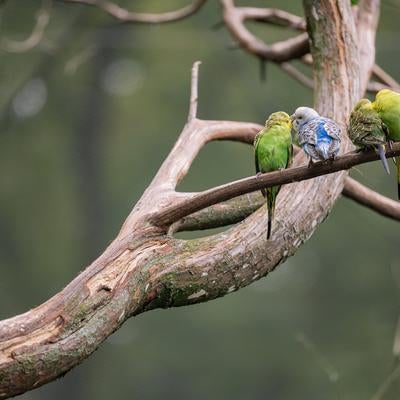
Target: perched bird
[(387, 105), (273, 151), (318, 136), (367, 130)]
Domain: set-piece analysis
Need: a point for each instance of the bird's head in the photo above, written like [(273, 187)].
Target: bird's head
[(278, 118), (302, 115), (384, 92), (362, 104)]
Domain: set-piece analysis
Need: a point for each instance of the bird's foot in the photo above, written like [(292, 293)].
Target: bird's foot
[(310, 163), (258, 174), (390, 144)]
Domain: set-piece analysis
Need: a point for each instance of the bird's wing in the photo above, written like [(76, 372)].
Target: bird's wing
[(332, 129), (289, 156), (256, 141), (307, 134)]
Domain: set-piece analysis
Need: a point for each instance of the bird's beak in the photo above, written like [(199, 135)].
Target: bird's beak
[(292, 117)]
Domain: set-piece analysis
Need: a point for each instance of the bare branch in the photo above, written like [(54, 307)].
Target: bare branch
[(226, 213), (194, 91), (228, 191), (387, 383), (371, 199), (42, 20), (123, 15), (295, 73), (271, 15), (385, 78), (234, 18)]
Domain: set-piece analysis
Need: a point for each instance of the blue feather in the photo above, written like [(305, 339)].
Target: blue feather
[(322, 134)]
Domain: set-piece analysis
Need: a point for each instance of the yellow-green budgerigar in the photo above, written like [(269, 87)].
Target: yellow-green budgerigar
[(387, 105), (367, 130), (273, 151)]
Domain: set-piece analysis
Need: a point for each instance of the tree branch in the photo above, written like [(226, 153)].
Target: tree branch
[(385, 78), (371, 199), (237, 209), (234, 18), (42, 20), (173, 213), (123, 15), (226, 213), (194, 91)]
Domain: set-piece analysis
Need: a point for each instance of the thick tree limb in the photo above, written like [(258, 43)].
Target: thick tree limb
[(123, 15)]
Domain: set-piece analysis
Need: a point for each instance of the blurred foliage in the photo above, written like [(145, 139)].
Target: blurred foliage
[(86, 119)]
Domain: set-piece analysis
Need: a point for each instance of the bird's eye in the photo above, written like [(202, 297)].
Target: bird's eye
[(300, 117)]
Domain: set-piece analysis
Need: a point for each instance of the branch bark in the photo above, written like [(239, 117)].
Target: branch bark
[(230, 190)]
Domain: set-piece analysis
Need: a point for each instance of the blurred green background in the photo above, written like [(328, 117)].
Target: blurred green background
[(86, 119)]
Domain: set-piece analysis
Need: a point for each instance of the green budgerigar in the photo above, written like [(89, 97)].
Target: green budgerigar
[(367, 130), (387, 105), (273, 151)]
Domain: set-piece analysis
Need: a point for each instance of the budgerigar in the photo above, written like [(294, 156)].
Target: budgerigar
[(318, 136), (273, 151), (387, 104), (367, 130)]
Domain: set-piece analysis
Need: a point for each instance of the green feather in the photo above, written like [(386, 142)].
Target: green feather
[(273, 151), (387, 104), (367, 130)]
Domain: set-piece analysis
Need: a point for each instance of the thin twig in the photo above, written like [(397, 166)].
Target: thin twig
[(42, 20), (390, 379), (225, 192), (384, 77), (371, 199), (326, 366), (297, 74), (123, 15), (194, 87), (290, 69)]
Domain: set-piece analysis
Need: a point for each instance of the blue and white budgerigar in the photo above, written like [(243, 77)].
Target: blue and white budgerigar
[(318, 136)]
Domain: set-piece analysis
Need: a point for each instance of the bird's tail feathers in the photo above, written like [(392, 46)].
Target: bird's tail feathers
[(382, 155), (271, 197), (398, 176)]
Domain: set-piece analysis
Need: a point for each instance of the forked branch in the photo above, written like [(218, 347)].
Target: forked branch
[(123, 15)]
